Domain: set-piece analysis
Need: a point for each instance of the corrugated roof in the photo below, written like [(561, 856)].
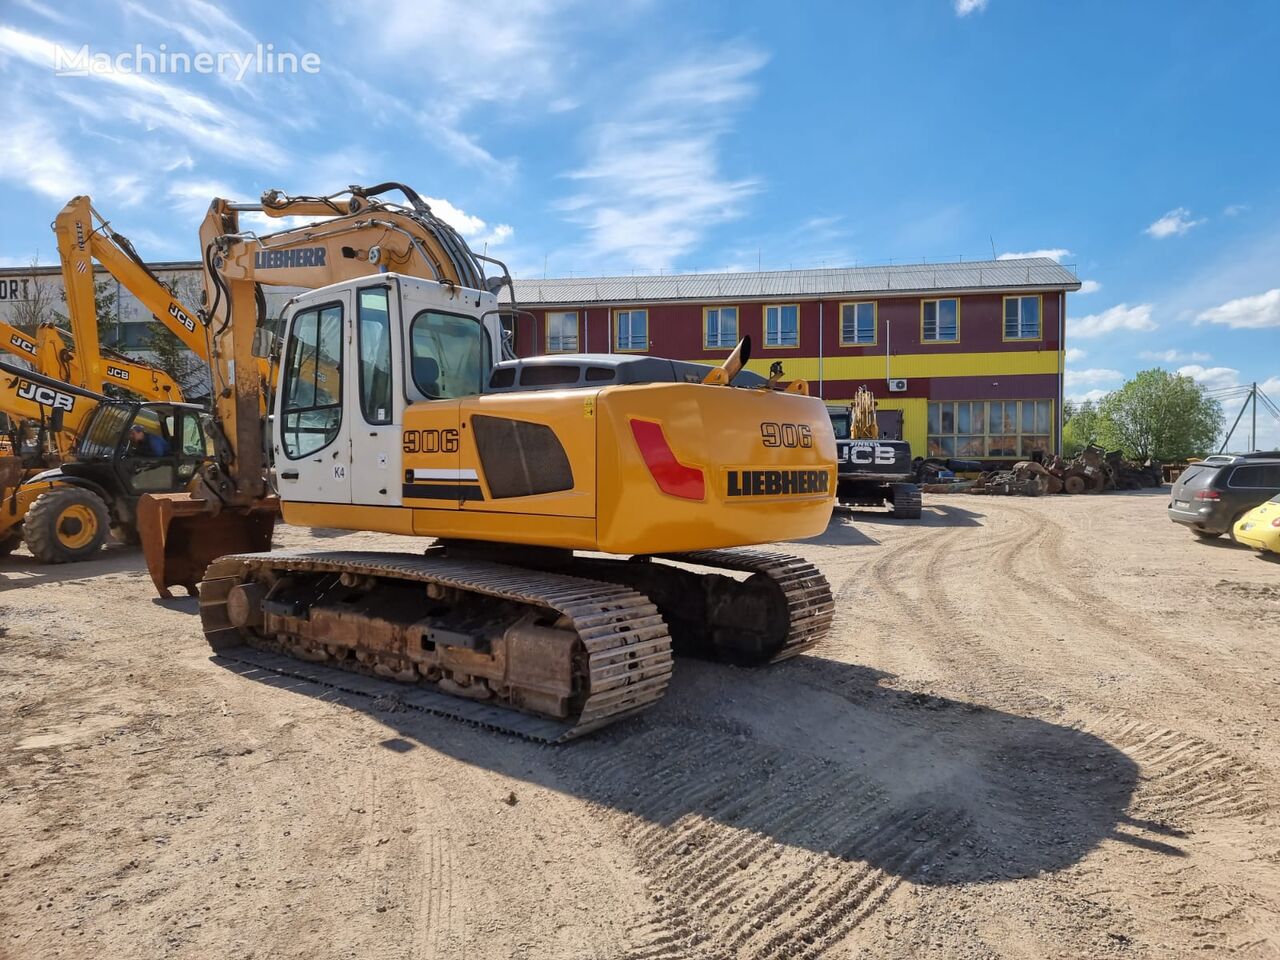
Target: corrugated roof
[(1039, 273)]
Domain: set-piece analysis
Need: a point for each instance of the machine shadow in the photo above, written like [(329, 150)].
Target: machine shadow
[(820, 756), (20, 570)]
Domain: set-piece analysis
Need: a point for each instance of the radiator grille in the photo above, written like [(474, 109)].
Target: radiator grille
[(520, 459)]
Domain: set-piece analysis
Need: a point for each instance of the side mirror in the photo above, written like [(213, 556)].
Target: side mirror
[(56, 420), (264, 342)]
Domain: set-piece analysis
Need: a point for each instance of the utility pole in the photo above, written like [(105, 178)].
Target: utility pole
[(1253, 431)]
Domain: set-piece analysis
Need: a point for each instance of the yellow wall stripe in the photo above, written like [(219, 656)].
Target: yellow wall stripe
[(907, 365)]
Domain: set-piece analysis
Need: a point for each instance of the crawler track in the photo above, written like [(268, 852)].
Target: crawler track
[(623, 665), (809, 606)]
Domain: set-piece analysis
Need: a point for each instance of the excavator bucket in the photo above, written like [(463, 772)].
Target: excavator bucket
[(180, 537)]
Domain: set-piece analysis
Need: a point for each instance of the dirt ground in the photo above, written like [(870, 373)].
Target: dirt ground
[(1040, 728)]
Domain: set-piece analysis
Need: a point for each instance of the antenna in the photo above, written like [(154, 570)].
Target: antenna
[(992, 238)]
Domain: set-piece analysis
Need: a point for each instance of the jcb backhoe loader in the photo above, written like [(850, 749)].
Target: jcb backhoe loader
[(874, 470), (391, 415), (123, 449)]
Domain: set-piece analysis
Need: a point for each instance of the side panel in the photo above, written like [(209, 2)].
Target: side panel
[(430, 441), (534, 453), (767, 460)]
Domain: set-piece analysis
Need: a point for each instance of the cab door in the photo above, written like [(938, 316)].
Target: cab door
[(375, 399), (312, 441)]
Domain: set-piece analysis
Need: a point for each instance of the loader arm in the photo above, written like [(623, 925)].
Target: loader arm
[(27, 395), (84, 236), (14, 341), (56, 357)]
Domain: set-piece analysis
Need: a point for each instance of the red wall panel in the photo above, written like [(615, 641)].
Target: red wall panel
[(675, 330)]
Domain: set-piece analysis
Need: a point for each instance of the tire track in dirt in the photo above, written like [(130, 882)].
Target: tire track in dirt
[(1223, 785), (751, 851)]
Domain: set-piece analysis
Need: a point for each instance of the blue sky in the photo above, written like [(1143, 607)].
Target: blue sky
[(1136, 141)]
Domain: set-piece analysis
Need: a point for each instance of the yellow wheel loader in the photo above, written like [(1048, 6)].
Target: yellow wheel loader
[(123, 449), (580, 517)]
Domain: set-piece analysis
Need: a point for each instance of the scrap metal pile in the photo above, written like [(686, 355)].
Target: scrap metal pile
[(1092, 471)]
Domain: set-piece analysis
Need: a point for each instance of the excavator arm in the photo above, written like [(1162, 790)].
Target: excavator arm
[(365, 234)]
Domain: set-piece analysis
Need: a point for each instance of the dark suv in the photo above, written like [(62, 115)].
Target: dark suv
[(1212, 495)]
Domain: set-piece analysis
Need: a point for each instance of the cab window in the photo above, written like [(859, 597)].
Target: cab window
[(448, 355), (312, 401), (374, 332)]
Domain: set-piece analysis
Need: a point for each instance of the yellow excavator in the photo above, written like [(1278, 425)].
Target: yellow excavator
[(585, 511)]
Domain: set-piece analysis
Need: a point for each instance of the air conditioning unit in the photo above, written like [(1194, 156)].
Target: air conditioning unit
[(897, 386)]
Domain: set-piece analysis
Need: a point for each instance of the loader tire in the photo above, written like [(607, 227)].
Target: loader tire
[(65, 525)]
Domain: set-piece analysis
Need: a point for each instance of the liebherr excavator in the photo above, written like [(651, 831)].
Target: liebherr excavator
[(395, 412)]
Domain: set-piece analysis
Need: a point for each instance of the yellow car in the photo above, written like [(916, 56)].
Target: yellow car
[(1260, 527)]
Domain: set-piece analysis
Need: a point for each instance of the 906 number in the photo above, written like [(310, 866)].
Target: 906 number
[(786, 434), (431, 441)]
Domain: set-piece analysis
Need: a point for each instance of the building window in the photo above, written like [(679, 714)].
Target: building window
[(562, 332), (979, 429), (857, 324), (782, 325), (720, 328), (631, 330), (1022, 318), (940, 321)]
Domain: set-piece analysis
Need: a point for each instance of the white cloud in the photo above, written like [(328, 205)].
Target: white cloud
[(1089, 396), (32, 156), (473, 228), (1055, 254), (152, 103), (1075, 354), (1120, 317), (1089, 286), (1174, 356), (1250, 313), (966, 7), (1234, 209), (47, 12), (652, 185), (1079, 378), (1212, 378), (1174, 223), (192, 197), (467, 54)]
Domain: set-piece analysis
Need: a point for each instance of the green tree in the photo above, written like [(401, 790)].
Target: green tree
[(1079, 427), (1159, 415), (168, 352)]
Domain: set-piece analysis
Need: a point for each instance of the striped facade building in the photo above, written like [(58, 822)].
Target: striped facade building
[(965, 359)]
